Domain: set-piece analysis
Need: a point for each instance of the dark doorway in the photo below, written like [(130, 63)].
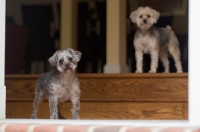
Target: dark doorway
[(40, 44), (92, 37)]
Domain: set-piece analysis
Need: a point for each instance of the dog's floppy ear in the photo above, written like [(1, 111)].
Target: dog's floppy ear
[(133, 15), (76, 55), (53, 59), (156, 15)]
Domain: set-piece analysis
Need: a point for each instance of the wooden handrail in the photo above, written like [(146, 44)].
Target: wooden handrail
[(108, 75)]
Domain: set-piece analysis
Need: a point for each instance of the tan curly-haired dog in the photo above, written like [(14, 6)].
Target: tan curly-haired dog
[(154, 41)]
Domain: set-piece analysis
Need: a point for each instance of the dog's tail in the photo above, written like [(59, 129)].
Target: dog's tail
[(168, 27)]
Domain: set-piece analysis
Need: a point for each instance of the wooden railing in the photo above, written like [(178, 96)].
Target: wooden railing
[(109, 96)]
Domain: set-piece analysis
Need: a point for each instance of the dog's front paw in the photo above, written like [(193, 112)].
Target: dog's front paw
[(180, 71), (166, 71), (152, 71), (138, 71), (33, 117), (76, 118)]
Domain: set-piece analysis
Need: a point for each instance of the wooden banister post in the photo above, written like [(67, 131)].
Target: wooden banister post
[(116, 37), (68, 24)]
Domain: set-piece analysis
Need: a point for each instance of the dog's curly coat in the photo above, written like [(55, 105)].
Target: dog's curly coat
[(60, 85), (154, 41)]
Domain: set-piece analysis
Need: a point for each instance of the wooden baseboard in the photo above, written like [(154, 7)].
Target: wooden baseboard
[(109, 96)]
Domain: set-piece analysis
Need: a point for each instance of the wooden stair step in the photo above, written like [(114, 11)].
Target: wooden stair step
[(110, 96)]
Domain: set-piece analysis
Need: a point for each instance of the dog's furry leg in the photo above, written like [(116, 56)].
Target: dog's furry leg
[(38, 99), (175, 52), (53, 102), (139, 59), (60, 116), (75, 99), (164, 59), (154, 61), (75, 109)]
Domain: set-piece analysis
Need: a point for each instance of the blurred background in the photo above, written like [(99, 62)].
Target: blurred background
[(35, 29)]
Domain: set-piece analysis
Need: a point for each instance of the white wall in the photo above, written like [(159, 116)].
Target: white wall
[(194, 62), (2, 60)]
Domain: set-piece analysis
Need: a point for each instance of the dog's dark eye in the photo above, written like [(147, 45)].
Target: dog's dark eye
[(60, 62), (141, 16), (70, 59), (148, 16)]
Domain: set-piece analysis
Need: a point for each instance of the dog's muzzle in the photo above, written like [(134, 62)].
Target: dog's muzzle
[(67, 66)]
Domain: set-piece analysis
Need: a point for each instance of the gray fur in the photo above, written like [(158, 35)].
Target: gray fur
[(161, 34), (164, 36), (60, 85)]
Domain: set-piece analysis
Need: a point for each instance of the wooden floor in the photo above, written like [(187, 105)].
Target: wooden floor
[(109, 96)]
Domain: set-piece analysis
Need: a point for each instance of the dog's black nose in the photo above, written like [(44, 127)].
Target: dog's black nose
[(67, 65), (145, 21)]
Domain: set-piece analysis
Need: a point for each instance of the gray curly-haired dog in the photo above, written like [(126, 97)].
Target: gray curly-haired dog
[(60, 85), (154, 41)]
